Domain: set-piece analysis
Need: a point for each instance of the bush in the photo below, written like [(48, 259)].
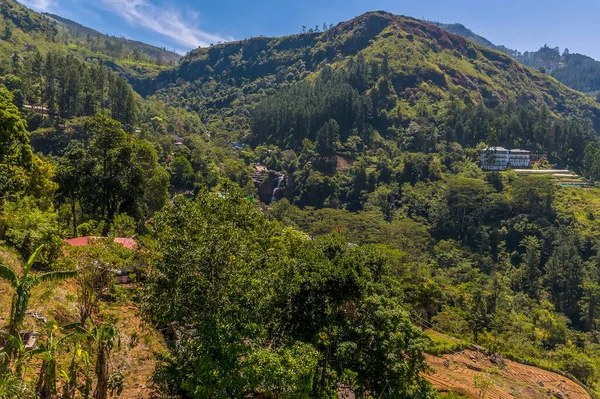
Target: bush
[(25, 227), (576, 363)]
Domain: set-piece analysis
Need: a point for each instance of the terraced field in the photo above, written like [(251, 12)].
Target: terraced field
[(476, 375)]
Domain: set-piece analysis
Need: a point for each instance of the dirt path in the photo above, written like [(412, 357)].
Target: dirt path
[(459, 373)]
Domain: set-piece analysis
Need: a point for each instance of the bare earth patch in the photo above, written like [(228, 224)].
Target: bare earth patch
[(459, 373)]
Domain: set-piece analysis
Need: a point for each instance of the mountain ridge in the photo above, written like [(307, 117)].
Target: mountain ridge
[(27, 32), (169, 57), (578, 71), (445, 62)]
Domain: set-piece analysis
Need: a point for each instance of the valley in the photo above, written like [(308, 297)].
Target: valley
[(386, 207)]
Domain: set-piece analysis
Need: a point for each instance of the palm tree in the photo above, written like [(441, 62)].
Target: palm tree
[(23, 286)]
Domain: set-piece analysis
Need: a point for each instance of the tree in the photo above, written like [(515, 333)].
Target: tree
[(533, 195), (531, 266), (110, 150), (182, 175), (564, 275), (590, 304), (105, 337), (385, 65), (327, 137), (71, 181), (23, 285), (95, 265), (15, 148), (267, 312), (483, 384), (8, 32)]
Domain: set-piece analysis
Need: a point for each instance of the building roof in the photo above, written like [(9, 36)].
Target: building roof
[(519, 151), (494, 149), (128, 243)]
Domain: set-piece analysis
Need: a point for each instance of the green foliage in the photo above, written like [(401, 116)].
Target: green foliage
[(123, 226), (23, 285), (12, 387), (124, 175), (577, 364), (182, 173), (14, 140), (24, 226), (229, 282), (326, 111)]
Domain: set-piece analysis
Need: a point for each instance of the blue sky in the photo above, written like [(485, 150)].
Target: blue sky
[(186, 24)]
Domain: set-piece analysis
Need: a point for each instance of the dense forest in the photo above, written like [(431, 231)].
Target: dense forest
[(304, 217)]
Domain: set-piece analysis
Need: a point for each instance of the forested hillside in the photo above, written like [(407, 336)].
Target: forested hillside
[(295, 217), (25, 32), (410, 65), (116, 47), (577, 71)]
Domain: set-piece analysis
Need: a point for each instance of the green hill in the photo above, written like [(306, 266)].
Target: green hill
[(576, 71), (117, 47), (24, 32), (414, 67)]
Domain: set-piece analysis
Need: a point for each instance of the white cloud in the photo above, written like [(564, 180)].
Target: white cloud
[(39, 5), (168, 22)]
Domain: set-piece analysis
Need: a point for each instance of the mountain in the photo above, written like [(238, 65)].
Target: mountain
[(577, 71), (25, 32), (113, 46), (461, 30), (342, 239), (425, 66)]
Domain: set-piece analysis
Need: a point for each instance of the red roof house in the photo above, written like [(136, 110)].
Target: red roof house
[(128, 243)]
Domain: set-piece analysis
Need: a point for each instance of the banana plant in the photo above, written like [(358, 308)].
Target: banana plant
[(49, 353), (23, 285), (16, 347), (80, 361), (103, 338)]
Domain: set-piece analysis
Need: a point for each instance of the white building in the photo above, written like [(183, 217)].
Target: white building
[(499, 158)]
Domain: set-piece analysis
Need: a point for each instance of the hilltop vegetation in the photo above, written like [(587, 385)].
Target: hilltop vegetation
[(426, 71), (576, 71), (25, 32), (117, 47)]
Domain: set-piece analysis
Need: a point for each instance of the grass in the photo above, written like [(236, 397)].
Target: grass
[(443, 344), (583, 205)]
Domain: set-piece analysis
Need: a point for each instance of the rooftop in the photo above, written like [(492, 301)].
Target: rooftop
[(495, 149), (128, 243)]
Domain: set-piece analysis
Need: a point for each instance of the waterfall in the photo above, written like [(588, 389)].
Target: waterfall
[(277, 190)]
